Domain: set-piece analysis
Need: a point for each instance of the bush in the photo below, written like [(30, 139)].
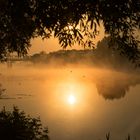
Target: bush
[(16, 125)]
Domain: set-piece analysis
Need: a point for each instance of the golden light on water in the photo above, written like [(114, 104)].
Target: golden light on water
[(71, 99), (71, 93)]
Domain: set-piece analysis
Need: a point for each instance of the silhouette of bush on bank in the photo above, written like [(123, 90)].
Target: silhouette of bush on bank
[(16, 125)]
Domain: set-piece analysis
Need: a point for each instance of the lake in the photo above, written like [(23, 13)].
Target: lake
[(75, 102)]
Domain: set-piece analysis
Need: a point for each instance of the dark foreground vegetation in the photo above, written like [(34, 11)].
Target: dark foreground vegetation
[(16, 125), (127, 138), (71, 21)]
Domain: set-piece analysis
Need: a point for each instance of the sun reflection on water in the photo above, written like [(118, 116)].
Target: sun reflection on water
[(71, 99)]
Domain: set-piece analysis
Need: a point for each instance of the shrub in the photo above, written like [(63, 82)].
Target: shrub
[(16, 125)]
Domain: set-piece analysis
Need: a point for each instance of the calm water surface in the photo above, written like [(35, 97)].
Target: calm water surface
[(75, 103)]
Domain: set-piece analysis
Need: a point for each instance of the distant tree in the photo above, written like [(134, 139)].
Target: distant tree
[(103, 48), (16, 125), (71, 21)]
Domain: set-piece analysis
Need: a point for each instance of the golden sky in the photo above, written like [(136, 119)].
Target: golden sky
[(52, 44)]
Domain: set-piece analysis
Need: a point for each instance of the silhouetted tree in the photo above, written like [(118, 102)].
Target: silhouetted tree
[(109, 53), (71, 21), (16, 125)]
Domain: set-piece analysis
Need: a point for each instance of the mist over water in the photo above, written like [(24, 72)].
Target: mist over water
[(106, 100)]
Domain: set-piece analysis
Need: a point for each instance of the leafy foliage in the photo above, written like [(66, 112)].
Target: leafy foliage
[(16, 125), (71, 21)]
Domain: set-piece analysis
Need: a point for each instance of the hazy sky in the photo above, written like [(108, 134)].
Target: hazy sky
[(52, 44)]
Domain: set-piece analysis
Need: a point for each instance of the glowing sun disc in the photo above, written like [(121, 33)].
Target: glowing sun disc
[(71, 99)]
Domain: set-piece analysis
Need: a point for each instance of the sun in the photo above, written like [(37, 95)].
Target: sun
[(71, 99)]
